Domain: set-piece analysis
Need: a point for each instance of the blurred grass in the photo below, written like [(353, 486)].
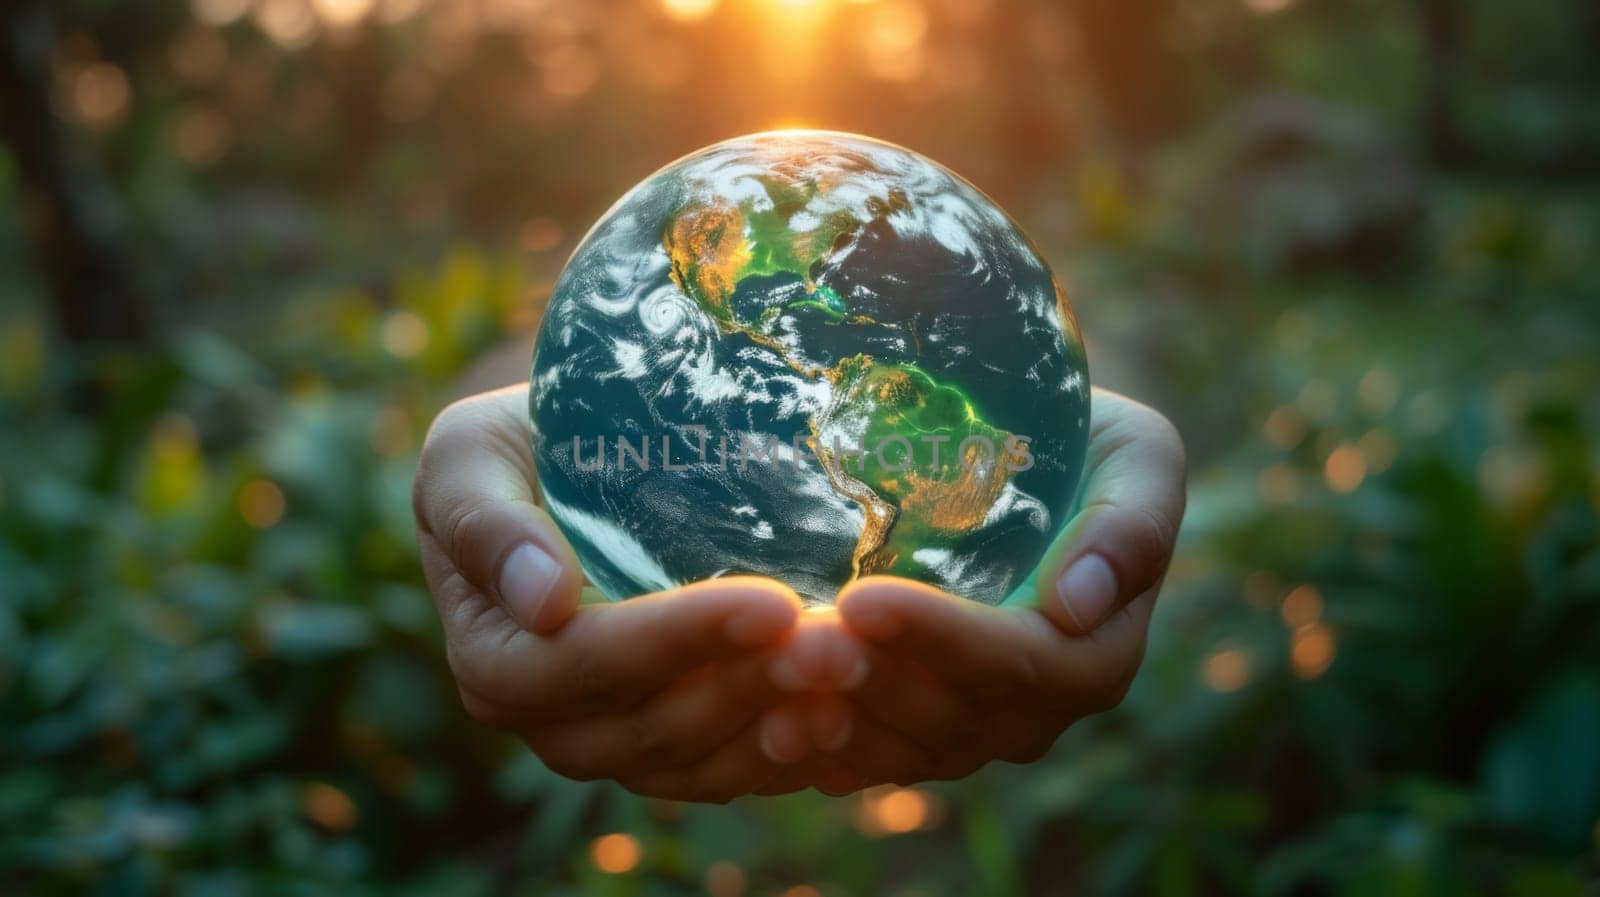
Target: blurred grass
[(1374, 669)]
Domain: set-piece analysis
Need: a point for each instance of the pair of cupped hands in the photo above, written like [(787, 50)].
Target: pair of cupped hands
[(728, 687)]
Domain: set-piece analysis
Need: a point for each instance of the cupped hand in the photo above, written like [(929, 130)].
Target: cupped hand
[(722, 688), (664, 693), (938, 687)]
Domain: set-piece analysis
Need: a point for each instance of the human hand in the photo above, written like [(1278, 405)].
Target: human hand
[(662, 693), (939, 686)]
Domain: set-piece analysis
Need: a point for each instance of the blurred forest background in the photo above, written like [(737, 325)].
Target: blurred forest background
[(249, 247)]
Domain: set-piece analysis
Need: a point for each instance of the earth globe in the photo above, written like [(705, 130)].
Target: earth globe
[(813, 356)]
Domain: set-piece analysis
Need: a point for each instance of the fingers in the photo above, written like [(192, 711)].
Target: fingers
[(1119, 544), (878, 754), (994, 659), (611, 656), (678, 726), (733, 770), (983, 651), (474, 499), (905, 697), (819, 656)]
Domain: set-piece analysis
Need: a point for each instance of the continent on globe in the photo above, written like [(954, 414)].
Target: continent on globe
[(813, 356)]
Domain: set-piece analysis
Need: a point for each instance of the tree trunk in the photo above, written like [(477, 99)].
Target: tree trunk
[(1441, 26), (72, 213)]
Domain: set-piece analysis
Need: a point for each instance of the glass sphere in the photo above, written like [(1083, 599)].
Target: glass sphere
[(812, 356)]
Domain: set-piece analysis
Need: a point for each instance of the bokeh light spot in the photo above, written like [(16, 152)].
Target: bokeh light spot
[(1311, 650), (615, 853), (342, 13), (100, 95), (405, 334), (891, 39), (1302, 606), (220, 12), (328, 807), (1345, 468), (261, 503), (894, 811), (291, 24), (1227, 670)]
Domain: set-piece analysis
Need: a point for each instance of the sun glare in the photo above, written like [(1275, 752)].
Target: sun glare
[(688, 10)]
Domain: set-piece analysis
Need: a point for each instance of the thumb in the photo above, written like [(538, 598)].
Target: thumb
[(474, 497), (1119, 544)]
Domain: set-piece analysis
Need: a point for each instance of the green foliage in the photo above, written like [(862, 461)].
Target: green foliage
[(1374, 669)]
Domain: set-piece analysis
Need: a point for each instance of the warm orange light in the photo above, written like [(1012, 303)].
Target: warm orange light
[(891, 38), (688, 10), (328, 807), (802, 891), (290, 24), (1302, 607), (893, 811), (1345, 468), (1311, 651), (615, 853), (100, 95), (568, 70), (1227, 670), (261, 504), (342, 13)]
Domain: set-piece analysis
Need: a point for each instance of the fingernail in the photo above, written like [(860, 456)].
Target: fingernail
[(526, 578), (787, 676), (1088, 588)]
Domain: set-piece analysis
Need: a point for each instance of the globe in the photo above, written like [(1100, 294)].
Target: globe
[(813, 356)]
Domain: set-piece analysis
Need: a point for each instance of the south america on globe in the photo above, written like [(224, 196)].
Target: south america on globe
[(812, 356)]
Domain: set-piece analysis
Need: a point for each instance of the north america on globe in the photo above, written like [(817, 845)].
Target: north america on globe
[(813, 356)]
